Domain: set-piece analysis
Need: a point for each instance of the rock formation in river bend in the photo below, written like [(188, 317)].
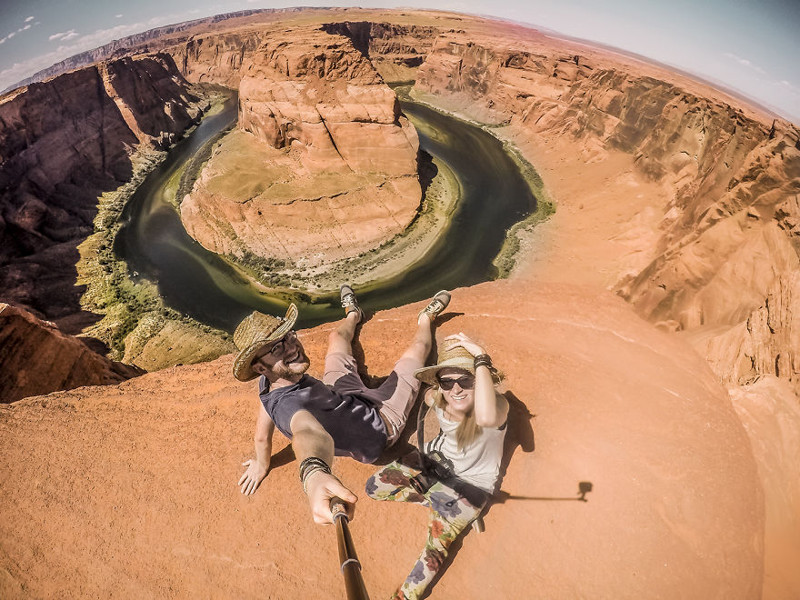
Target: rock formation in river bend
[(64, 142), (329, 168)]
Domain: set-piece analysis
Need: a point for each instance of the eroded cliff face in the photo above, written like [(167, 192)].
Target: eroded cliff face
[(335, 162), (692, 490), (729, 227), (64, 142), (36, 358), (396, 50)]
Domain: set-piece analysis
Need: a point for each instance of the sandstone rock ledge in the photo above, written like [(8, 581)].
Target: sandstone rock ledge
[(130, 490), (36, 358)]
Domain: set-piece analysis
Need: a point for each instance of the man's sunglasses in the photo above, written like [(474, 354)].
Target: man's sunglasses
[(465, 382), (280, 345)]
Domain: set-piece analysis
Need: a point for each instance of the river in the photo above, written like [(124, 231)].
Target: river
[(200, 284)]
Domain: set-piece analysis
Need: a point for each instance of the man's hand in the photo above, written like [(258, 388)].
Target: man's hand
[(321, 488), (252, 476)]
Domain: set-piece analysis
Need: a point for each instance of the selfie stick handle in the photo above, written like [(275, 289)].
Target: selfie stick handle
[(351, 567)]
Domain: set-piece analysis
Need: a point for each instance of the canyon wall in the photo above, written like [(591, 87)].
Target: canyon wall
[(36, 358), (325, 165), (679, 505), (728, 233), (139, 43), (64, 142)]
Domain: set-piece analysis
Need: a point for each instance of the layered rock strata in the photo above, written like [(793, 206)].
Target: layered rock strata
[(729, 227), (64, 142), (396, 50), (36, 358), (326, 166)]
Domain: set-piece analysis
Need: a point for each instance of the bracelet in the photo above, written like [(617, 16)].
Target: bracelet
[(310, 465), (483, 360)]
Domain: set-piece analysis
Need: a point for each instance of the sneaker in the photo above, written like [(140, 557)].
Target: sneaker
[(349, 302), (437, 304)]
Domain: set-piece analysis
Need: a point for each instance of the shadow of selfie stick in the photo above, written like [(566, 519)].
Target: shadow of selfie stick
[(584, 487)]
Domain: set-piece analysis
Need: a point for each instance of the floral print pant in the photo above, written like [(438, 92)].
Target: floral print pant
[(450, 514)]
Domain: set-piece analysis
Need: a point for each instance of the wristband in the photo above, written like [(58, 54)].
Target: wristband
[(310, 465), (483, 360)]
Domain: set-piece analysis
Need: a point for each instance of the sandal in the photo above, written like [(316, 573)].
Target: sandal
[(349, 302), (437, 304)]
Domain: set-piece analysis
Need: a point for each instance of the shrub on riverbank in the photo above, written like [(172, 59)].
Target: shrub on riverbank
[(110, 290)]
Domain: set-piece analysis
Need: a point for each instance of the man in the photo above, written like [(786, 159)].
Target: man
[(336, 416)]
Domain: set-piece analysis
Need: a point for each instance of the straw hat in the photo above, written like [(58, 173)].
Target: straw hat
[(451, 356), (254, 332)]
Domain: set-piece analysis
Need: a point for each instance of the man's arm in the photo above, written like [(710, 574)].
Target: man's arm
[(262, 440), (310, 440)]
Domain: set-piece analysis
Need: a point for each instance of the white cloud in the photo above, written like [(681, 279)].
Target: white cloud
[(64, 36), (11, 35), (2, 40), (745, 63), (118, 16), (29, 19)]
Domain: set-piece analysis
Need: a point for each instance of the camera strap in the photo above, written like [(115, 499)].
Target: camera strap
[(474, 495)]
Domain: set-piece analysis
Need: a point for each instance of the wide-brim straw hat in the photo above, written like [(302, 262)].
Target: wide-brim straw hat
[(451, 356), (254, 332)]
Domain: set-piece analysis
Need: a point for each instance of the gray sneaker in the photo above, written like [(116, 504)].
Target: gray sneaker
[(437, 304), (349, 302)]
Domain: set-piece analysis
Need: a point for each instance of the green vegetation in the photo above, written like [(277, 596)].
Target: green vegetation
[(109, 288), (506, 259)]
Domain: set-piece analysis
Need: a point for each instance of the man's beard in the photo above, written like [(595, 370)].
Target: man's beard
[(297, 367)]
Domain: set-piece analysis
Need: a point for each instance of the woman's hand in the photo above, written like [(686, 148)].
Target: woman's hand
[(461, 339)]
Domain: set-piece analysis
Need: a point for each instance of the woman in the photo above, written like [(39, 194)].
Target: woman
[(472, 417)]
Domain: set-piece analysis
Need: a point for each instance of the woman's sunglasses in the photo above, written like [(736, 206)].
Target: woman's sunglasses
[(465, 382)]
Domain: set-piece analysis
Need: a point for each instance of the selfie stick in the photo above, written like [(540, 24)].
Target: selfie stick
[(351, 567)]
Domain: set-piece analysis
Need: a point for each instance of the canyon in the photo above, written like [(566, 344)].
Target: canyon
[(674, 197), (63, 144)]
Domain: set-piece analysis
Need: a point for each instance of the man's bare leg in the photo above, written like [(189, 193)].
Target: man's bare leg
[(421, 345), (341, 338), (395, 409)]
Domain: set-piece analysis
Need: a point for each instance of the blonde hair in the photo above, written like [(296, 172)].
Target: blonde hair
[(468, 429)]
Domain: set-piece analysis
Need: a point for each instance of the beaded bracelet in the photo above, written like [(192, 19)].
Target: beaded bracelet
[(310, 465), (483, 360)]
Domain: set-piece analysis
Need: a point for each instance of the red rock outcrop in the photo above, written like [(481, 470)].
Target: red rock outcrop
[(675, 510), (729, 228), (770, 414), (344, 159), (766, 343), (396, 50), (64, 142), (36, 358)]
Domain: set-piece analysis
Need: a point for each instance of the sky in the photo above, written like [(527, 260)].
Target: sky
[(751, 46)]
